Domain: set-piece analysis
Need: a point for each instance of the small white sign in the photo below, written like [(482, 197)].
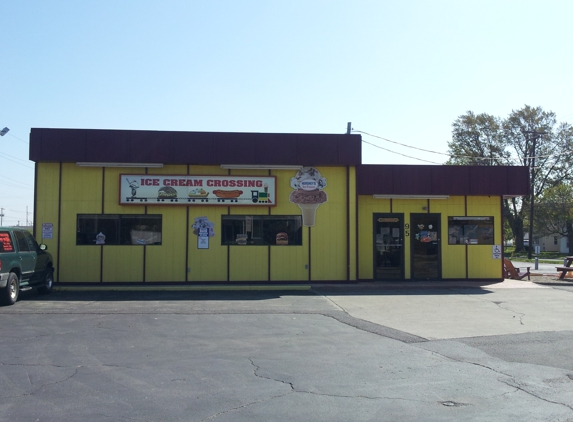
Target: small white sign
[(496, 251), (203, 239)]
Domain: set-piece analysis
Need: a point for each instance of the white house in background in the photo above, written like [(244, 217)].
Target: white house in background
[(551, 243)]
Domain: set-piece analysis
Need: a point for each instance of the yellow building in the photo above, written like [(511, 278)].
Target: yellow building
[(195, 207)]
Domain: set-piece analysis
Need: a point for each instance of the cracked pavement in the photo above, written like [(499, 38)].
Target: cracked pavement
[(417, 354)]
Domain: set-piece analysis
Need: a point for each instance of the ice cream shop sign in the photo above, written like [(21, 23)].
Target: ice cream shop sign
[(308, 194), (150, 189)]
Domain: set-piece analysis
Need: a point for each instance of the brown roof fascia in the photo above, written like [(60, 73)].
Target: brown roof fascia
[(442, 180), (199, 148)]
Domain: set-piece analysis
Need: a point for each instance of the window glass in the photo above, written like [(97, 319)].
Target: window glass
[(261, 230), (470, 230), (118, 229), (6, 242), (32, 244), (22, 242)]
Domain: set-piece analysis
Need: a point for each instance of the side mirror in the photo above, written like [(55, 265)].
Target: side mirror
[(43, 246)]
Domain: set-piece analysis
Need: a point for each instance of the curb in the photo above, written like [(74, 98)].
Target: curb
[(156, 288)]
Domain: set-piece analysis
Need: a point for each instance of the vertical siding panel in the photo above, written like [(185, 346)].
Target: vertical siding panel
[(352, 216), (328, 238), (453, 256), (81, 194), (207, 264), (480, 260), (288, 263), (167, 262), (249, 263), (122, 263), (47, 205)]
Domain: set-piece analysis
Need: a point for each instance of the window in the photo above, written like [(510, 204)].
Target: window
[(555, 240), (6, 242), (261, 230), (118, 229), (23, 245), (32, 244), (470, 230)]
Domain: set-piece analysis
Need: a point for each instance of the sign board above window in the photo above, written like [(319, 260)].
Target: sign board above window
[(155, 189)]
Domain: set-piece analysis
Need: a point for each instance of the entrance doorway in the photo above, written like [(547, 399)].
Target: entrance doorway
[(388, 246), (425, 246)]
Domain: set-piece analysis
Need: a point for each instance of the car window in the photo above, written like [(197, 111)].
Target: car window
[(21, 240), (6, 242), (32, 244)]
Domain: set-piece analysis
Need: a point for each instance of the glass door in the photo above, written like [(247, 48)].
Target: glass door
[(425, 246), (388, 246)]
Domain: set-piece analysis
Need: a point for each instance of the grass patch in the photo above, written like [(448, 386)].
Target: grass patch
[(546, 257)]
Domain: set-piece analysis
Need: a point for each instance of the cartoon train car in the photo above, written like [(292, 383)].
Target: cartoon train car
[(260, 197)]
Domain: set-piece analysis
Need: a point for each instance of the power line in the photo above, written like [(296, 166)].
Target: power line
[(443, 153), (403, 155), (13, 136)]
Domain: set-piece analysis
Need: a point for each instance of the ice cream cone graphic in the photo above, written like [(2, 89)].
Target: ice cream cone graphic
[(308, 193), (308, 214)]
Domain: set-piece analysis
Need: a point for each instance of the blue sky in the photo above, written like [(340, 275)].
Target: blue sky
[(402, 70)]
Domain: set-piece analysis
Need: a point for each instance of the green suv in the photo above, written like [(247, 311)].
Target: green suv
[(23, 265)]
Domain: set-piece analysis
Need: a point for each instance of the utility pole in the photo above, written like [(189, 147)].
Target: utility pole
[(1, 216), (535, 136)]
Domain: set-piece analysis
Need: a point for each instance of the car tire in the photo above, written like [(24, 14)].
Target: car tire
[(48, 284), (10, 293)]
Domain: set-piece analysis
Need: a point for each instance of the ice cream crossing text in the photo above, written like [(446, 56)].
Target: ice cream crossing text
[(216, 183)]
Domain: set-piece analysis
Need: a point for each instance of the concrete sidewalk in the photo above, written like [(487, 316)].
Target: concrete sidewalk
[(508, 307)]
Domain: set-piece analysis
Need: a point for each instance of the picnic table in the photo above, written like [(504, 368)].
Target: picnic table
[(567, 268)]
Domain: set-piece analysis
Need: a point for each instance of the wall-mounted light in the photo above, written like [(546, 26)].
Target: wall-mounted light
[(150, 165), (411, 196), (259, 167)]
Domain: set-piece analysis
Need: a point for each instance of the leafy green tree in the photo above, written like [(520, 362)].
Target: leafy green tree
[(554, 215), (487, 140), (477, 140)]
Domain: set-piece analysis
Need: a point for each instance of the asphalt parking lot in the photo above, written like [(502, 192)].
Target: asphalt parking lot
[(434, 354)]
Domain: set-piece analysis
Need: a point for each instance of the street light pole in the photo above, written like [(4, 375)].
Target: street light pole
[(536, 135)]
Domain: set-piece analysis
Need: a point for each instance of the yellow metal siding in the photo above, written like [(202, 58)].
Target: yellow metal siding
[(248, 263), (81, 194), (353, 235), (122, 263), (288, 263), (47, 206), (481, 263), (453, 256), (166, 262), (207, 264), (328, 236)]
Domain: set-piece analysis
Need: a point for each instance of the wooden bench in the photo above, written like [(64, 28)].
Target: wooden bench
[(566, 268), (514, 273), (564, 271)]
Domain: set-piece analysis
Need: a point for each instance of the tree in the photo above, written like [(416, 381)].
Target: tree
[(487, 140), (477, 140), (554, 214)]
